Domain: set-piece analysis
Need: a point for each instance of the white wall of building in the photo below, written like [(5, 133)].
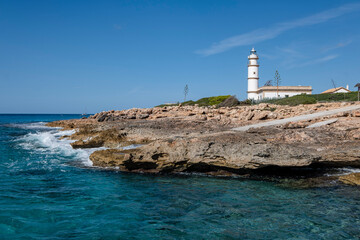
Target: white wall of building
[(253, 96), (282, 94), (341, 91)]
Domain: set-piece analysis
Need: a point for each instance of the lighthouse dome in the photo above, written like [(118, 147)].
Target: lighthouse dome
[(253, 54)]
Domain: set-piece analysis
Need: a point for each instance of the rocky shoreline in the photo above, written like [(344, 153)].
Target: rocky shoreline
[(199, 139)]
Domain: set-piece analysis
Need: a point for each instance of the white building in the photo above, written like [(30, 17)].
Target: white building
[(338, 90), (256, 93)]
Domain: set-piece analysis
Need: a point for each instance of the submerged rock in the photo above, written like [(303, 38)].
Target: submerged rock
[(352, 179)]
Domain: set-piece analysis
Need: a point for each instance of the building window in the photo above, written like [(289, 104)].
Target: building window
[(286, 95), (254, 72)]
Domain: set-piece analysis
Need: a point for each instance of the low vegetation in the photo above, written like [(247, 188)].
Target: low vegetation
[(314, 98), (336, 97), (231, 101), (218, 101), (292, 101), (208, 101)]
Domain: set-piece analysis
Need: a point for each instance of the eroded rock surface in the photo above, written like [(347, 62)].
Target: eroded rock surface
[(352, 179), (184, 139)]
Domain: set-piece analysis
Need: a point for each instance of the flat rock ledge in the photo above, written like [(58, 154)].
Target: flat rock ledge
[(184, 142), (212, 155)]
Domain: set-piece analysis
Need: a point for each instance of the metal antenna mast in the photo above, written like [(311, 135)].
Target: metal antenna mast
[(333, 82)]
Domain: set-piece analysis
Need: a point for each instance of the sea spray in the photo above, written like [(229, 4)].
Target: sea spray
[(47, 140)]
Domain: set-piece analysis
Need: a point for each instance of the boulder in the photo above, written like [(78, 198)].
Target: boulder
[(90, 139), (142, 116), (102, 117), (229, 102), (261, 115), (249, 116), (356, 114)]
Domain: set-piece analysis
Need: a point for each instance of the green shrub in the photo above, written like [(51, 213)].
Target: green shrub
[(208, 101), (245, 102), (309, 99), (296, 100), (231, 101), (217, 100), (292, 101), (336, 97), (190, 102)]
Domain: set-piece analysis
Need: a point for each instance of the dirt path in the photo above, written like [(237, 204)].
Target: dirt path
[(298, 118)]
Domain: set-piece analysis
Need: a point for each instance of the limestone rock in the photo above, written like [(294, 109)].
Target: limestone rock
[(197, 139), (261, 116), (352, 179), (143, 116), (108, 138), (293, 125), (203, 155), (356, 114)]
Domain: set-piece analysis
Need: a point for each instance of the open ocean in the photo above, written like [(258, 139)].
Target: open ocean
[(50, 191)]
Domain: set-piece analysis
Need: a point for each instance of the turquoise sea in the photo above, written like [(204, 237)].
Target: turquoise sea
[(50, 191)]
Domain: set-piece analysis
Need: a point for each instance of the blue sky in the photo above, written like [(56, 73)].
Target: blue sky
[(90, 56)]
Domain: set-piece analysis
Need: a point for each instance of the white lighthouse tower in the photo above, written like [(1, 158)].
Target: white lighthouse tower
[(253, 75)]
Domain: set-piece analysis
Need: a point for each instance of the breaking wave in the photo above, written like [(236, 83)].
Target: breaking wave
[(343, 171), (47, 140)]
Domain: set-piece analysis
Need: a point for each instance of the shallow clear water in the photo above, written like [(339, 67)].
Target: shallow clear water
[(50, 191)]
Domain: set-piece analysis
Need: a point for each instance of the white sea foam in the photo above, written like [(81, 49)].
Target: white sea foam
[(132, 146), (48, 142), (347, 170), (344, 171)]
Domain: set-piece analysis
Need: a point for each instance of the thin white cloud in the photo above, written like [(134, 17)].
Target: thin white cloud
[(289, 52), (263, 34), (315, 61), (339, 45)]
